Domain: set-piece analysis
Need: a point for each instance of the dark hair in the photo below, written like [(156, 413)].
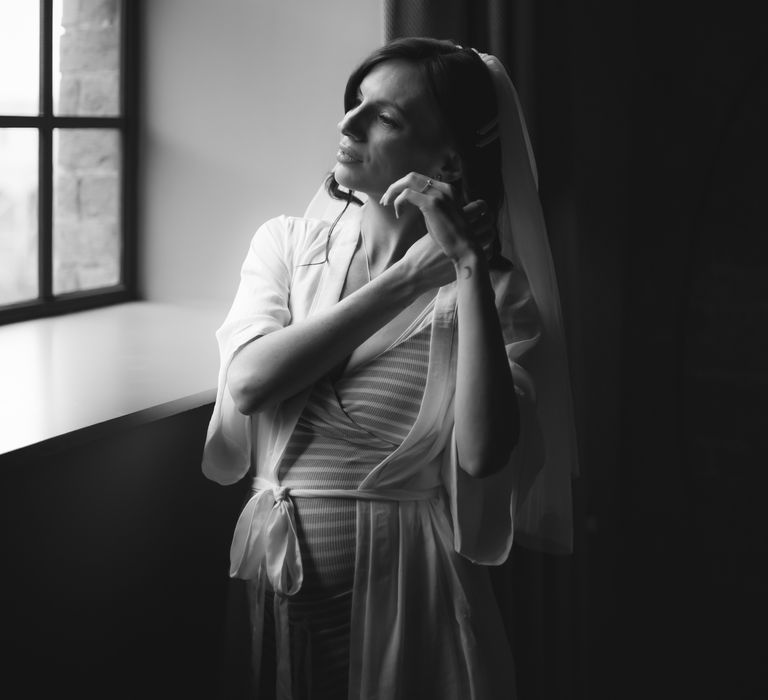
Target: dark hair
[(463, 91)]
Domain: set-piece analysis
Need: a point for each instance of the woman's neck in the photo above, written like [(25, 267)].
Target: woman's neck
[(386, 236)]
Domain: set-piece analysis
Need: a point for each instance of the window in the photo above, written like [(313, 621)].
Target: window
[(67, 155)]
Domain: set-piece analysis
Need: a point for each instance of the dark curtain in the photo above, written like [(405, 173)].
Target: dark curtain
[(536, 592), (649, 132), (491, 26), (483, 24)]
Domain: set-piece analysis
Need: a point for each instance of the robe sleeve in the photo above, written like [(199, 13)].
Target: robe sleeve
[(260, 307), (485, 511)]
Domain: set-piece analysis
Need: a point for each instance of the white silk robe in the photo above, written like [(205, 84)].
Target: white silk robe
[(424, 619)]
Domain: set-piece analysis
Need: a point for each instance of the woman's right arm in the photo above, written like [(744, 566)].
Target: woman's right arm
[(278, 365)]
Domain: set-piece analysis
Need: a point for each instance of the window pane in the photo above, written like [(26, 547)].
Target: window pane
[(86, 209), (19, 56), (86, 57), (18, 215)]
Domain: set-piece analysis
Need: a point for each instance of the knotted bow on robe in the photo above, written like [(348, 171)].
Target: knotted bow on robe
[(265, 536), (265, 543)]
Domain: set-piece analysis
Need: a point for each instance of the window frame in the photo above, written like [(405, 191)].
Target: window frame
[(126, 123)]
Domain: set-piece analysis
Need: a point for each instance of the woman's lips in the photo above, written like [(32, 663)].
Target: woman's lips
[(344, 155)]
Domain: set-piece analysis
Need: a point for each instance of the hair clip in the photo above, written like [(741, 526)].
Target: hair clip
[(488, 132)]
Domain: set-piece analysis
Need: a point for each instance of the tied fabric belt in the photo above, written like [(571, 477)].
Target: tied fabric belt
[(265, 542), (265, 537)]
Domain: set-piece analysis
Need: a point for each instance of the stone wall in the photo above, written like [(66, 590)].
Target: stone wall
[(89, 58), (87, 162)]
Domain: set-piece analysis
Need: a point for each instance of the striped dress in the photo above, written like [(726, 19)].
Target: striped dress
[(346, 429)]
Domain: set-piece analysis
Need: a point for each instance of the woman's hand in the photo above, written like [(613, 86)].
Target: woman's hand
[(486, 413), (458, 231), (427, 265)]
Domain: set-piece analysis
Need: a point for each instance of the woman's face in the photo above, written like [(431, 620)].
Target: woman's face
[(392, 130)]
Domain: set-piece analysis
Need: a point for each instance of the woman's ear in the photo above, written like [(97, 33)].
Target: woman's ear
[(450, 169)]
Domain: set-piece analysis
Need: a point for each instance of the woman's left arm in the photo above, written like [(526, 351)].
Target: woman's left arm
[(486, 414)]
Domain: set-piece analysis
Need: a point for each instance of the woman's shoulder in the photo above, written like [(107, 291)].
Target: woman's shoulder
[(301, 238), (294, 229), (515, 302), (510, 283), (290, 237)]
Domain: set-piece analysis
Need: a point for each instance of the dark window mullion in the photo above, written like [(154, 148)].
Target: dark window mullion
[(45, 214), (19, 122), (45, 220), (46, 58), (129, 97), (87, 122)]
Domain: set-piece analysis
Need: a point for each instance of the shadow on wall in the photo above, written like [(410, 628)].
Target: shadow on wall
[(117, 566)]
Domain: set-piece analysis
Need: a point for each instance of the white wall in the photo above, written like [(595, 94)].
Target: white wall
[(240, 104)]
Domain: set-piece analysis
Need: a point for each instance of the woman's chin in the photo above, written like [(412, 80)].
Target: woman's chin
[(344, 177)]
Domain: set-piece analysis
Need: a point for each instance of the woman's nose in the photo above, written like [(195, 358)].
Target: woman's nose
[(351, 125)]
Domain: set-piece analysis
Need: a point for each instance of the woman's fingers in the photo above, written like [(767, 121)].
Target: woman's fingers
[(421, 184), (481, 223), (448, 223), (476, 211), (418, 199)]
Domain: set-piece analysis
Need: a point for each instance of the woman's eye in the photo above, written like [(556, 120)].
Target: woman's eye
[(385, 119)]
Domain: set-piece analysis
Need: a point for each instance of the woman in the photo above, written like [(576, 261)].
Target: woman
[(370, 376)]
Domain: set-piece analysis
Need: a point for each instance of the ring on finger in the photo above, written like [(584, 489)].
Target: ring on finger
[(427, 185)]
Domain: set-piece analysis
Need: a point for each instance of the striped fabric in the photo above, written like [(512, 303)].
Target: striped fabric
[(345, 430), (319, 629)]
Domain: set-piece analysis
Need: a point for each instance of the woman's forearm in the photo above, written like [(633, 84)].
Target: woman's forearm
[(485, 408), (280, 364)]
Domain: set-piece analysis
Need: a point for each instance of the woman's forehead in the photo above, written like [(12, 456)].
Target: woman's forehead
[(400, 82)]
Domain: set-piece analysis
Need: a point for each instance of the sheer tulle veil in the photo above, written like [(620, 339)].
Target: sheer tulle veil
[(543, 518)]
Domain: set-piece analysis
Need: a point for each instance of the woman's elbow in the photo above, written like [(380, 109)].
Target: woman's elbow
[(246, 394), (482, 464), (481, 468), (241, 399)]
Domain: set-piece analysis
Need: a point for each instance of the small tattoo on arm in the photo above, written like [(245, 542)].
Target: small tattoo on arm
[(467, 272)]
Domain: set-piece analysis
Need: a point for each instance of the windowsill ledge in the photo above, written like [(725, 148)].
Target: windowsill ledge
[(71, 378)]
